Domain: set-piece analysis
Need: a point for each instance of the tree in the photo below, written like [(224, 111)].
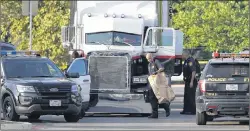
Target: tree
[(219, 25), (9, 9), (52, 15)]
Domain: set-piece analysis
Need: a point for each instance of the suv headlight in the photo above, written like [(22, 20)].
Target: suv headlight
[(75, 89), (22, 88)]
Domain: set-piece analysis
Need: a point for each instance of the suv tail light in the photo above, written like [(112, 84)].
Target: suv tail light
[(201, 85)]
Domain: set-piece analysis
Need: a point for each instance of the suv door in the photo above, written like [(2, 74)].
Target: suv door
[(79, 65)]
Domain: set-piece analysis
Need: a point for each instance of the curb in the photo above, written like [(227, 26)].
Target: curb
[(9, 125)]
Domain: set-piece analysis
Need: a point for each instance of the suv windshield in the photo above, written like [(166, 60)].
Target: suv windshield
[(113, 38), (21, 68), (228, 70)]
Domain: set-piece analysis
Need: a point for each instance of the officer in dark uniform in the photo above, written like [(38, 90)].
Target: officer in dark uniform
[(155, 67), (189, 73)]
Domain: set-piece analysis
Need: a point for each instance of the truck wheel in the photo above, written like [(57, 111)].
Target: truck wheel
[(201, 118), (9, 112), (33, 117), (71, 118)]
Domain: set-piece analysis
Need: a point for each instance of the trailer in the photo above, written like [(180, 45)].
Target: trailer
[(114, 37)]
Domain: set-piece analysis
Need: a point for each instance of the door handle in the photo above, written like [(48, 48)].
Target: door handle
[(85, 80)]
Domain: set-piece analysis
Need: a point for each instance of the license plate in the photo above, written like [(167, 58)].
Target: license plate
[(231, 87), (55, 103), (139, 80)]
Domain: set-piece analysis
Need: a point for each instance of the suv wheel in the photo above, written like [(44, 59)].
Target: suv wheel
[(9, 112), (33, 117), (71, 118), (201, 118)]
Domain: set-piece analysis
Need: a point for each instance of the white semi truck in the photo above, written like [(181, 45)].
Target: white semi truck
[(114, 36)]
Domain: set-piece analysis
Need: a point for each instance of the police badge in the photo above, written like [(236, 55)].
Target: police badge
[(190, 63)]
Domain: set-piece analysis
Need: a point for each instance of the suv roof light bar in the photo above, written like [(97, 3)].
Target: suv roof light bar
[(229, 55), (20, 53)]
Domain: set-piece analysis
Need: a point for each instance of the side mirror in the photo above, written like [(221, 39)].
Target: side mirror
[(72, 75)]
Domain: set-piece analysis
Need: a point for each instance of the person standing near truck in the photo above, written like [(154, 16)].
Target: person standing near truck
[(155, 67)]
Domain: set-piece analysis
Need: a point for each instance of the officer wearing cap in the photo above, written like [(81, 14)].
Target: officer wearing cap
[(189, 73)]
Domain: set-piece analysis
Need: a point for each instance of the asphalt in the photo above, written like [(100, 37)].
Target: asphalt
[(174, 122)]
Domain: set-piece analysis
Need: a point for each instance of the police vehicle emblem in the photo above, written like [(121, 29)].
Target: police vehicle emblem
[(53, 89)]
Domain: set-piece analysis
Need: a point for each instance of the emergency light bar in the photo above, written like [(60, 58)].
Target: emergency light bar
[(229, 55), (20, 53)]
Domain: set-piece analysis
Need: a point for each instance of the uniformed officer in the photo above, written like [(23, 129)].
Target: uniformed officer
[(189, 72), (155, 67)]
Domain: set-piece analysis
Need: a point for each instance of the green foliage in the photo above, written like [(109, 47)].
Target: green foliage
[(52, 15), (219, 25)]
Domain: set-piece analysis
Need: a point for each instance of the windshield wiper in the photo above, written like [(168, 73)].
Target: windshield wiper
[(15, 77), (42, 76), (125, 43), (93, 42)]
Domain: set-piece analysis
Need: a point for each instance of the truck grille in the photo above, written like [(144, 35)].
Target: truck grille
[(47, 89), (109, 72)]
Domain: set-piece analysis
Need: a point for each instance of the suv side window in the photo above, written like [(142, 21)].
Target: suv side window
[(204, 71), (78, 66)]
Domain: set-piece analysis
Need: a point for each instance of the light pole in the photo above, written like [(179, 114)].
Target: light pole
[(30, 11)]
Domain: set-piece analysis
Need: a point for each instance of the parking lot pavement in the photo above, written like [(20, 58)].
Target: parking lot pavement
[(9, 125), (174, 122)]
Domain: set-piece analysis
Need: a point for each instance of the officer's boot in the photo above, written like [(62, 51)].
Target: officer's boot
[(167, 109), (154, 110)]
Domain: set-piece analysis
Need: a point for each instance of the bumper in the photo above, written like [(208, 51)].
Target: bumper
[(236, 107), (43, 109)]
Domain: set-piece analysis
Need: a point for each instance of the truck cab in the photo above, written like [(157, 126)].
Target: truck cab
[(105, 26)]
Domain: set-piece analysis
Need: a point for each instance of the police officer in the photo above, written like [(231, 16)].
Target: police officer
[(189, 73), (155, 67)]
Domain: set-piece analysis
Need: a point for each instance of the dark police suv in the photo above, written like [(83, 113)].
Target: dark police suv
[(223, 88), (33, 86)]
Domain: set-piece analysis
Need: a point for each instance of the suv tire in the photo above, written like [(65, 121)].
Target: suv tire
[(71, 118), (9, 112), (34, 117), (201, 118)]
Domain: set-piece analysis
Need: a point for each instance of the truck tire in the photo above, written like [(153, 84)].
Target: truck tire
[(34, 117), (71, 118), (201, 118), (9, 112)]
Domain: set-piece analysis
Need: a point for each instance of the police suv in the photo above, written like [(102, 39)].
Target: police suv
[(223, 88), (33, 86)]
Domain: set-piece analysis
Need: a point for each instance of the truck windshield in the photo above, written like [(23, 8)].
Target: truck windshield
[(113, 38), (228, 70), (22, 68)]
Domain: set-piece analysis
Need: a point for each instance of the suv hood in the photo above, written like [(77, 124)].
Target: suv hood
[(49, 81)]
